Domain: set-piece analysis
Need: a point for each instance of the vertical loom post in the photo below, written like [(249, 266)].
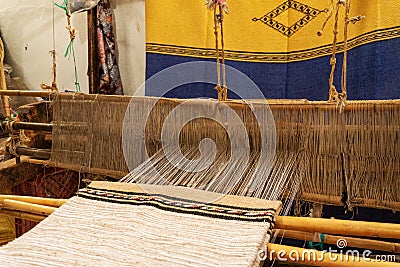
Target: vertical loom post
[(317, 213), (3, 86), (93, 67)]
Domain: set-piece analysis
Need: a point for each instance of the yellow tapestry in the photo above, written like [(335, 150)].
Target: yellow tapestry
[(264, 30)]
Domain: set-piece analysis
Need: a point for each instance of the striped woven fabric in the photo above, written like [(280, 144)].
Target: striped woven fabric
[(115, 224)]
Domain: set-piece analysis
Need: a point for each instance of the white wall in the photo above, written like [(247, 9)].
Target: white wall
[(26, 28), (130, 33)]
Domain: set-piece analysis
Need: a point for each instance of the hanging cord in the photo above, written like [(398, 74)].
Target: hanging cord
[(54, 56), (220, 7), (72, 35), (343, 95), (334, 95)]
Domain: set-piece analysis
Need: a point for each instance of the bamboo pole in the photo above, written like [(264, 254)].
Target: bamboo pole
[(240, 103), (33, 126), (33, 152), (323, 199), (23, 215), (319, 258), (351, 241), (35, 200), (312, 225), (27, 207), (341, 227), (26, 93), (3, 85)]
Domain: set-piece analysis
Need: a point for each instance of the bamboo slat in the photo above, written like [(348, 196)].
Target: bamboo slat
[(305, 224), (339, 227), (35, 200), (27, 207), (23, 215), (25, 93), (351, 241)]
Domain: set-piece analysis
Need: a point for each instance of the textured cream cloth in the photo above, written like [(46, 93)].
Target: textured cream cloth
[(89, 232)]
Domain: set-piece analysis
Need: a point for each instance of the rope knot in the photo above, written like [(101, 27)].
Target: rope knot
[(212, 4), (222, 93), (356, 19), (72, 32)]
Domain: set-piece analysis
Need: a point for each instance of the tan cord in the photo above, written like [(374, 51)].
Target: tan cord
[(53, 54), (225, 88), (334, 95), (218, 23)]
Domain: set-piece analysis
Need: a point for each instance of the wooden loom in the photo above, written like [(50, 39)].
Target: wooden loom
[(305, 131), (37, 209), (330, 146)]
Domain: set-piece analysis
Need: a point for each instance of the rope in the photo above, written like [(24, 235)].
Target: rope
[(218, 24), (53, 54), (343, 95), (334, 95), (218, 87), (223, 51), (72, 35)]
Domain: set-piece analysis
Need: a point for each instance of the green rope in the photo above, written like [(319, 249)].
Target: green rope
[(317, 245), (70, 48), (63, 6), (71, 51)]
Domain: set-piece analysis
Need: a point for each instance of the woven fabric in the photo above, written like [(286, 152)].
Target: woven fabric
[(275, 43), (126, 225)]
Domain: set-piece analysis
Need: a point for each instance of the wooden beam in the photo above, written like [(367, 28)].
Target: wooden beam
[(339, 227), (351, 241), (26, 93), (33, 126), (52, 202), (23, 215), (27, 207), (110, 173)]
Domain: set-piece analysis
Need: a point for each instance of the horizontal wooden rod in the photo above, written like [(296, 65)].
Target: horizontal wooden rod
[(33, 126), (375, 203), (52, 202), (27, 207), (23, 215), (32, 152), (25, 93), (113, 174), (358, 202), (339, 227), (273, 103), (304, 224), (318, 258), (351, 241), (323, 199)]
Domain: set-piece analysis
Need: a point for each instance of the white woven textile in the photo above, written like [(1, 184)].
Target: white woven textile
[(88, 232)]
